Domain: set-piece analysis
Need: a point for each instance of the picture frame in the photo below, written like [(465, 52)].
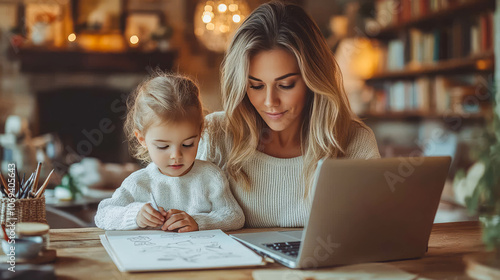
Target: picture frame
[(98, 16), (43, 22), (143, 23), (9, 17)]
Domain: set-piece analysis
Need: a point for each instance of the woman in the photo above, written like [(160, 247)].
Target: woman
[(284, 109)]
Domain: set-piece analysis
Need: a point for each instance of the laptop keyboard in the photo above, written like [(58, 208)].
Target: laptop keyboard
[(287, 248)]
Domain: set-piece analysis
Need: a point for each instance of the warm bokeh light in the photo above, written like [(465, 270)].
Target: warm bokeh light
[(233, 7), (222, 8), (224, 28), (134, 39), (364, 61), (483, 64), (72, 37), (215, 21), (206, 19), (198, 31)]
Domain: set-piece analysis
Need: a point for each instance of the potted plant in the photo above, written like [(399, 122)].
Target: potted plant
[(480, 188)]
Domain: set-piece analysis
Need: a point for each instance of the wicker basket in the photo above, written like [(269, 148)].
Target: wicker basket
[(24, 210)]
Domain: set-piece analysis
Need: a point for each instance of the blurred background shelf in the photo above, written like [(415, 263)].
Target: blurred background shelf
[(54, 61), (484, 63), (416, 117), (433, 19)]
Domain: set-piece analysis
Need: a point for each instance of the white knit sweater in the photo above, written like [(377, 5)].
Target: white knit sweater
[(203, 193), (276, 196)]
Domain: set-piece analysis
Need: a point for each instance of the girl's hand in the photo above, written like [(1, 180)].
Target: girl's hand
[(180, 220), (149, 217)]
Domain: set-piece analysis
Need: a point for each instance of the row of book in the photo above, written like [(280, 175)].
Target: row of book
[(463, 38), (438, 95), (394, 12)]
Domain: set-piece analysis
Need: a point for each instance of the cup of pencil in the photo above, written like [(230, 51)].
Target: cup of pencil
[(23, 200)]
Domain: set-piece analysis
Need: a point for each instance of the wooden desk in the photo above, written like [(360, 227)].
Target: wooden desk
[(81, 256)]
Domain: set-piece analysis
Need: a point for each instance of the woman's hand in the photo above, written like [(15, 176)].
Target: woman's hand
[(180, 220), (149, 217)]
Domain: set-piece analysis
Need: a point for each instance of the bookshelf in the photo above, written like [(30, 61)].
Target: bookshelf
[(479, 63), (429, 19), (436, 60), (418, 116)]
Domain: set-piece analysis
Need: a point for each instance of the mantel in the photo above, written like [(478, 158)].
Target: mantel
[(52, 61)]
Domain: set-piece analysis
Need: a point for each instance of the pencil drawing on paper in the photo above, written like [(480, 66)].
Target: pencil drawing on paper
[(190, 251), (158, 250), (202, 236), (141, 240), (172, 236)]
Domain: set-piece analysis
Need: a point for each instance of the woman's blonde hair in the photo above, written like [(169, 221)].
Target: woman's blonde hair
[(161, 98), (327, 115)]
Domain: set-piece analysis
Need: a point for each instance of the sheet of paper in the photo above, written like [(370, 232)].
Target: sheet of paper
[(109, 250), (149, 250), (365, 271)]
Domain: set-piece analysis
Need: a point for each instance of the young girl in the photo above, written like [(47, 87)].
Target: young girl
[(164, 124)]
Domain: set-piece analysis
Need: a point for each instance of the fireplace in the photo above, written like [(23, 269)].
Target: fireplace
[(88, 120)]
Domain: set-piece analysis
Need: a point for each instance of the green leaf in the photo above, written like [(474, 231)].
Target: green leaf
[(459, 175), (472, 202), (491, 231)]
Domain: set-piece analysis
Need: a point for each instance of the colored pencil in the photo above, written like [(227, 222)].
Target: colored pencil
[(5, 233), (45, 184), (37, 177), (4, 183)]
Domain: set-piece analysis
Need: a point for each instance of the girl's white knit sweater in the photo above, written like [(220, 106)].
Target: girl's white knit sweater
[(203, 193)]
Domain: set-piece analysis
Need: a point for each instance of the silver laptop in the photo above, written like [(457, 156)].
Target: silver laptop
[(362, 211)]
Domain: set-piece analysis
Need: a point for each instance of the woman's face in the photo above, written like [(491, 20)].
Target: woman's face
[(276, 89)]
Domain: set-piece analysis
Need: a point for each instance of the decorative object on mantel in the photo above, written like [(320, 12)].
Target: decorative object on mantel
[(98, 16), (147, 30), (17, 144), (41, 32), (162, 37), (44, 23), (215, 21), (480, 188)]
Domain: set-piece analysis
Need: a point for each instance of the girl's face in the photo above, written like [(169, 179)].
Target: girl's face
[(276, 89), (172, 146)]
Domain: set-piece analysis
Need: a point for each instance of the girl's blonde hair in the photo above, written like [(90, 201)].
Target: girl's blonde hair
[(327, 116), (161, 98)]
